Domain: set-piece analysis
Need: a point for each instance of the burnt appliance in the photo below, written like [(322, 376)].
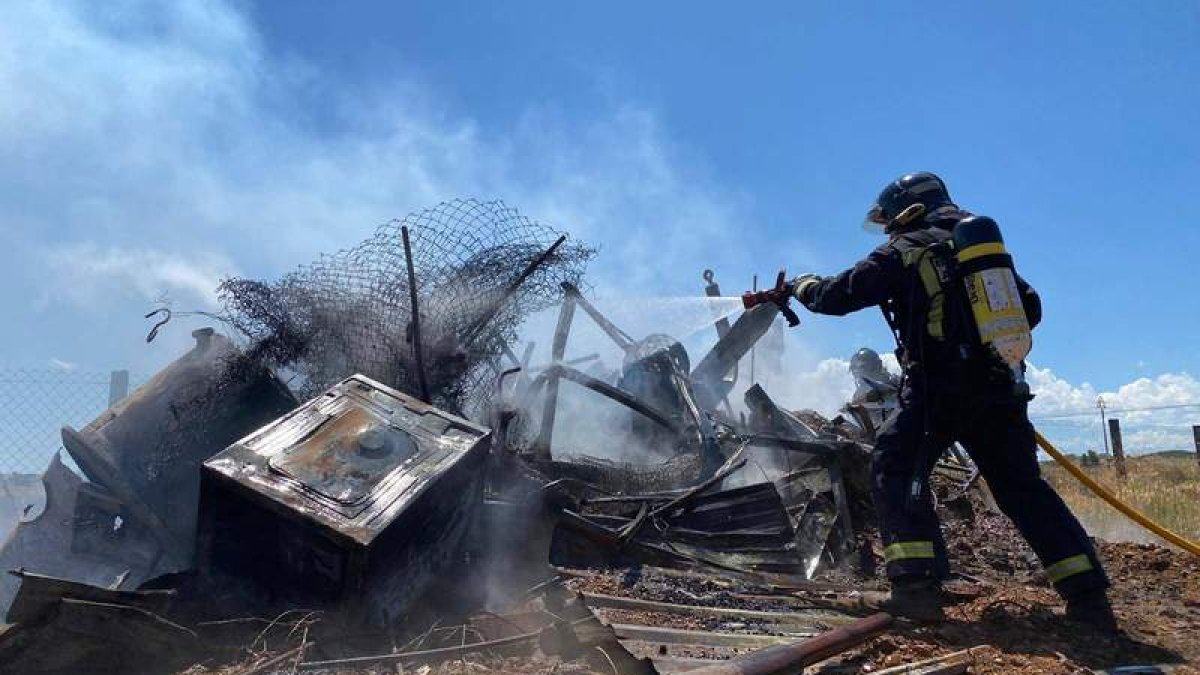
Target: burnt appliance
[(354, 502), (142, 456)]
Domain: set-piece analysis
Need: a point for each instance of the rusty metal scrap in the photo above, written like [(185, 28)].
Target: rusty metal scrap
[(45, 543), (146, 450)]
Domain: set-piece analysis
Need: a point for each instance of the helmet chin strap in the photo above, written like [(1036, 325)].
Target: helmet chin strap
[(905, 217)]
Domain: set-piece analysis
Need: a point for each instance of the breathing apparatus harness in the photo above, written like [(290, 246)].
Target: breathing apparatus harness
[(973, 304)]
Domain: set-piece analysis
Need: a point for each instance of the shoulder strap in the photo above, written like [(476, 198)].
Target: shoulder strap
[(933, 263)]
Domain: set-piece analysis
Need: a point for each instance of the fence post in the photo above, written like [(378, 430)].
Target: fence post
[(1118, 448), (1196, 439), (118, 386)]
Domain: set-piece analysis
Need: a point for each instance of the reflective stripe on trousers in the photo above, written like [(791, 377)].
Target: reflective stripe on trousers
[(907, 550), (1068, 567)]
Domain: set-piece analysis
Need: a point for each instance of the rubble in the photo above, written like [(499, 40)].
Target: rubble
[(429, 507)]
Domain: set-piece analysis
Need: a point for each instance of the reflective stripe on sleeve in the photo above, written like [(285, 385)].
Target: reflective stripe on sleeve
[(1076, 564), (906, 550)]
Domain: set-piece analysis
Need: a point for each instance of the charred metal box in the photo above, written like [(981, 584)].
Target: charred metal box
[(355, 502)]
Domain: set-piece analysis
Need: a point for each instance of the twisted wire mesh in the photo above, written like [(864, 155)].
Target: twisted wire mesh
[(36, 404), (350, 312)]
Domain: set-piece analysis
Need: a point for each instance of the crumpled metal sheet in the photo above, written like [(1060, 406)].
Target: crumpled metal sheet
[(22, 500), (44, 545), (147, 449)]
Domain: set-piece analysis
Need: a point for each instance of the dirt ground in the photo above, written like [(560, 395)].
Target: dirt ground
[(1007, 606)]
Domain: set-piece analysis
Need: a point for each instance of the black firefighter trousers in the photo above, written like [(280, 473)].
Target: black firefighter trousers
[(996, 432)]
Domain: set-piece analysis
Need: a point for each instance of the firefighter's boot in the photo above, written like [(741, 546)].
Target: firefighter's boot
[(916, 598), (1094, 610)]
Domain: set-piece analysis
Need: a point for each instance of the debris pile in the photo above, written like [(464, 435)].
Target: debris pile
[(421, 496)]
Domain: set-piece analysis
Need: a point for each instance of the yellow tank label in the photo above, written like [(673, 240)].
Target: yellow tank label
[(999, 313), (980, 250)]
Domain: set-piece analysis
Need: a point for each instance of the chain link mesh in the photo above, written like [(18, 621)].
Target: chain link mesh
[(36, 404), (351, 311)]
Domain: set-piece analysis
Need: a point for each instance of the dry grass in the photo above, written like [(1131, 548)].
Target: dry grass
[(1164, 487)]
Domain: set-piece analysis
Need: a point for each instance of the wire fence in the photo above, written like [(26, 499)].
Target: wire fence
[(1144, 430), (36, 404)]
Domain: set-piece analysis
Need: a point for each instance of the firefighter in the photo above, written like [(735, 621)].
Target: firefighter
[(876, 391), (952, 391)]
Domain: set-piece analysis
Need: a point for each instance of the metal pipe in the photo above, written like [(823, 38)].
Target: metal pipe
[(472, 332), (415, 313), (561, 372), (753, 351), (610, 329), (558, 350), (789, 659)]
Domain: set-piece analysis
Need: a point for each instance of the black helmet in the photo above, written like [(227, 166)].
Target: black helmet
[(895, 206)]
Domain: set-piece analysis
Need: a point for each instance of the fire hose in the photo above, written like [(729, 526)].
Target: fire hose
[(1114, 501)]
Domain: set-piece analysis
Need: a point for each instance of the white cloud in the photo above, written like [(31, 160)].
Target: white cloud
[(1056, 396), (160, 146), (825, 388), (1068, 415)]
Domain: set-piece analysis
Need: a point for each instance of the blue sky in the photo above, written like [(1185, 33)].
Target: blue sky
[(1075, 126), (149, 149)]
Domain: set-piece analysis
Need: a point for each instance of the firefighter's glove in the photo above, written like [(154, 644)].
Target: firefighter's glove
[(800, 285)]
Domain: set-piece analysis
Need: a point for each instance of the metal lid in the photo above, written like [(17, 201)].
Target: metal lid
[(347, 456)]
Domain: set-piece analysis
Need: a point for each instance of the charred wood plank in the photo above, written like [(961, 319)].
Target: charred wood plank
[(610, 329), (679, 636), (953, 663), (709, 375), (557, 372), (599, 600), (558, 351)]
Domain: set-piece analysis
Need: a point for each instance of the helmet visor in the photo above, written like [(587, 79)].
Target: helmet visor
[(875, 222)]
